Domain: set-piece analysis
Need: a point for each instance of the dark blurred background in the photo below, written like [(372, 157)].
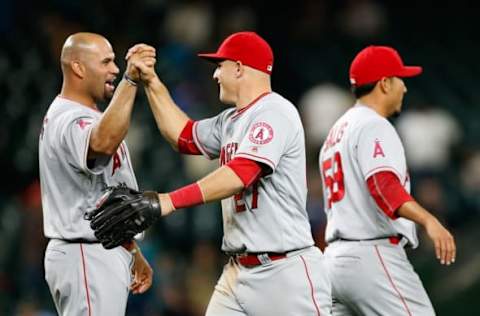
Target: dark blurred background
[(313, 42)]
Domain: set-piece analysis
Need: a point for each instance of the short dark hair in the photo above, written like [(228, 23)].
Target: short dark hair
[(363, 90)]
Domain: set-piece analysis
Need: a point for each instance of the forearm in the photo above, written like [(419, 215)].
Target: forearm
[(113, 126), (443, 241), (219, 184), (169, 117), (415, 212)]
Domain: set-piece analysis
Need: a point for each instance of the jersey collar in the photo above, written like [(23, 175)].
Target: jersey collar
[(78, 103), (358, 104), (242, 110)]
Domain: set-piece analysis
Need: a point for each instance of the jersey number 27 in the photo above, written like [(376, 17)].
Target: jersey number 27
[(333, 179), (239, 199)]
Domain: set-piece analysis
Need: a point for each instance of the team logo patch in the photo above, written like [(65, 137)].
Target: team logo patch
[(82, 123), (378, 150), (261, 133)]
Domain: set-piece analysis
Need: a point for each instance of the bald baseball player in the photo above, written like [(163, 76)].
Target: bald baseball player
[(81, 150), (274, 269), (371, 214)]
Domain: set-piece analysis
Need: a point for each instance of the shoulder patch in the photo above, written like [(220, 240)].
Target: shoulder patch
[(378, 150), (261, 133), (82, 123)]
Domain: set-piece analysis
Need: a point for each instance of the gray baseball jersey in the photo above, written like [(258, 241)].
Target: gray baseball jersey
[(84, 278), (270, 215), (70, 185), (360, 144), (360, 255)]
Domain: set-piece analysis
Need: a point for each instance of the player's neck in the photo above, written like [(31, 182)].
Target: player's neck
[(75, 95), (375, 104), (250, 94)]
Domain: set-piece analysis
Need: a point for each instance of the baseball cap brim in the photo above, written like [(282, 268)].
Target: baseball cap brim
[(410, 71), (212, 57)]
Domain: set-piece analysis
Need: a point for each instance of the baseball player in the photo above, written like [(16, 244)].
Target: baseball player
[(274, 269), (371, 215), (82, 150)]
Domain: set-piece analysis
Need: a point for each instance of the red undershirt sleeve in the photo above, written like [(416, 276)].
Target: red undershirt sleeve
[(185, 143), (388, 192), (247, 170)]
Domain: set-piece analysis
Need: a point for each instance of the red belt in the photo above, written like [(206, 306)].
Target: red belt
[(251, 260), (394, 240)]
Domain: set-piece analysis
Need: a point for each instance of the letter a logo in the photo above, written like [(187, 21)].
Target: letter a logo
[(378, 150), (260, 135)]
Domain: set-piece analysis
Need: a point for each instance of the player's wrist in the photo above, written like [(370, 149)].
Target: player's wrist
[(431, 222), (135, 251), (131, 246), (156, 85), (187, 196), (128, 78), (166, 205), (149, 79)]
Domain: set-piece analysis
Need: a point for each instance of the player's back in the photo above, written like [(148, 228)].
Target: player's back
[(349, 156)]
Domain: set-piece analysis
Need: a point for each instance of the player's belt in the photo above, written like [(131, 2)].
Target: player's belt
[(256, 259), (78, 241), (394, 240)]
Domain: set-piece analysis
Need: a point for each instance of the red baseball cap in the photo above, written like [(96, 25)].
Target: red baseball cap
[(247, 47), (376, 62)]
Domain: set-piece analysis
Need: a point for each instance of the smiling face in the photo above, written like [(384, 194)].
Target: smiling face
[(100, 70), (226, 74)]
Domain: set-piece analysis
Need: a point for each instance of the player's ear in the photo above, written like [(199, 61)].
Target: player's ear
[(403, 84), (239, 69), (384, 84), (78, 68)]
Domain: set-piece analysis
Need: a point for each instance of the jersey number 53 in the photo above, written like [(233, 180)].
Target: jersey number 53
[(333, 179)]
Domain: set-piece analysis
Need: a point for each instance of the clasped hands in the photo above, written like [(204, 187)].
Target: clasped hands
[(141, 59)]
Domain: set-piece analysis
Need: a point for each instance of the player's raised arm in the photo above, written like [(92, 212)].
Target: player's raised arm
[(170, 119), (265, 219), (112, 128), (73, 131)]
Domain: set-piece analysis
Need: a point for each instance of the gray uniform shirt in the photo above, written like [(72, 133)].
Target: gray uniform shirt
[(70, 187), (270, 215), (360, 144)]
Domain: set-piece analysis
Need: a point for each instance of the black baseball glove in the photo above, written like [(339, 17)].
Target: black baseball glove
[(121, 213)]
